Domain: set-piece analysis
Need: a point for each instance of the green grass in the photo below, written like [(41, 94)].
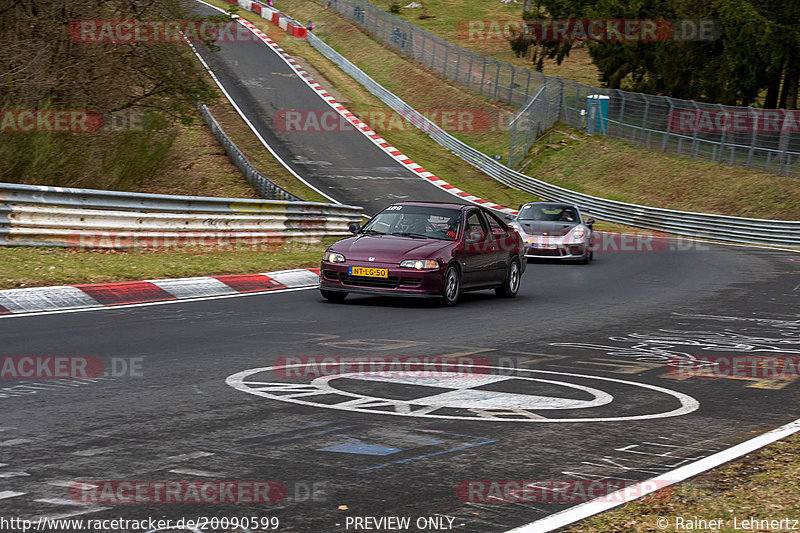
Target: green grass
[(449, 19), (594, 165), (763, 485), (616, 170), (426, 90), (241, 134), (34, 267)]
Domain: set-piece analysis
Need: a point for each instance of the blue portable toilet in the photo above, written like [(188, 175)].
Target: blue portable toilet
[(600, 104)]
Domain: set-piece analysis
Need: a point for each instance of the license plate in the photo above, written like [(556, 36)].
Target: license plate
[(543, 244), (369, 272)]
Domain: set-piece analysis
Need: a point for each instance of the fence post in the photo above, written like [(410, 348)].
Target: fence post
[(496, 79), (422, 57), (469, 78), (722, 139), (783, 146), (527, 87), (644, 117), (446, 55), (752, 138), (511, 85), (695, 145), (666, 133), (621, 120), (511, 128), (483, 73), (458, 64)]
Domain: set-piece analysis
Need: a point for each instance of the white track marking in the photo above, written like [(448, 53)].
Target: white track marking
[(10, 494), (585, 510), (14, 442), (5, 475), (239, 382), (148, 304), (190, 472), (190, 455), (250, 124)]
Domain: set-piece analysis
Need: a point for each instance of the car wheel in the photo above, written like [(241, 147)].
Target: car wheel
[(510, 286), (452, 286), (333, 296)]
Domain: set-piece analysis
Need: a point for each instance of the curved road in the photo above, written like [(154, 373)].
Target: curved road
[(344, 164), (620, 318), (580, 387)]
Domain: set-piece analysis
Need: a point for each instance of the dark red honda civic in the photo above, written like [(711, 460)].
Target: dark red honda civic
[(425, 249)]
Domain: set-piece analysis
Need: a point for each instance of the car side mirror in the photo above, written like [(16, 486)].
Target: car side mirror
[(510, 217), (354, 227), (590, 221)]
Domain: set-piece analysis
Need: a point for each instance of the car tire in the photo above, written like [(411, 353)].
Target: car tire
[(510, 286), (333, 296), (452, 286)]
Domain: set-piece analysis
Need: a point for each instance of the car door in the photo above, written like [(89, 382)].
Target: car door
[(479, 252), (504, 243)]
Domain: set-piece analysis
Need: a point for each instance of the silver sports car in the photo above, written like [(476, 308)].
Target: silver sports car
[(553, 230)]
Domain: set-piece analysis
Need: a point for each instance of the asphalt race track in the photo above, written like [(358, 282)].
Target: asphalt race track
[(343, 163), (619, 319), (569, 380)]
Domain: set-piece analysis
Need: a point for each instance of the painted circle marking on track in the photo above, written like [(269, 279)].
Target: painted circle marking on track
[(482, 405)]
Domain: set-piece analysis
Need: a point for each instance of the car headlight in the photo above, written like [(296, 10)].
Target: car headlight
[(333, 257), (419, 264), (578, 233)]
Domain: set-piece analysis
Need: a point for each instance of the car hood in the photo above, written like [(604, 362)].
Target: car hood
[(539, 227), (389, 248)]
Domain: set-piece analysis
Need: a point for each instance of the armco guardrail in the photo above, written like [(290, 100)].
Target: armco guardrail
[(766, 140), (702, 225), (32, 215), (262, 184)]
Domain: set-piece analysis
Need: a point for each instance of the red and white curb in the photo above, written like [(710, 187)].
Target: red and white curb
[(379, 141), (99, 295)]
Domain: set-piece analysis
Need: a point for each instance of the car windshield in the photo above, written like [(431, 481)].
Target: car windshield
[(548, 213), (416, 221)]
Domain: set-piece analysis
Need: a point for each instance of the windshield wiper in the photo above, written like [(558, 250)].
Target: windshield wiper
[(408, 234), (371, 232)]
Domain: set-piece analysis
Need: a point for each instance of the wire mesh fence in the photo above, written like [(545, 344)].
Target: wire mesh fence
[(767, 140)]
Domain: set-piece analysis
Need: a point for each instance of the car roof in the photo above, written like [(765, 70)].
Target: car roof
[(552, 204), (437, 204)]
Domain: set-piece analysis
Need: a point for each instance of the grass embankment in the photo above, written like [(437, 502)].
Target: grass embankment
[(449, 19), (36, 267), (594, 165), (431, 95), (763, 485)]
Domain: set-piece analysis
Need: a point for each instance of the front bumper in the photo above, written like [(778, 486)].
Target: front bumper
[(400, 281), (557, 250)]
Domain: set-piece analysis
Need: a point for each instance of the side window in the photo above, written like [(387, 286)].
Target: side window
[(474, 222), (495, 223)]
